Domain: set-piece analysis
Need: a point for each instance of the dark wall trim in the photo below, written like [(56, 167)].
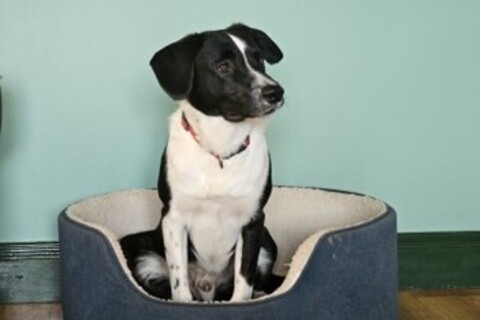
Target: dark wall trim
[(439, 260), (29, 272), (24, 250)]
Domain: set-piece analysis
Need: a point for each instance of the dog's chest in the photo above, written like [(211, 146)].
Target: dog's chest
[(214, 223), (196, 172), (214, 203), (213, 229)]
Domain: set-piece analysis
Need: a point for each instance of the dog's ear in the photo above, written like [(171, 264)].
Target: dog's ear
[(269, 49), (174, 65)]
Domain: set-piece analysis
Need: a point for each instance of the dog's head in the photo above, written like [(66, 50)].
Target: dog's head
[(222, 73)]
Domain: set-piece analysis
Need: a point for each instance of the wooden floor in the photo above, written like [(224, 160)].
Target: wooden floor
[(414, 305), (440, 305), (31, 312)]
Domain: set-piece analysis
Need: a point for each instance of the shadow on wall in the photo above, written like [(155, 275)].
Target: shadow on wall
[(1, 156), (8, 133), (3, 293), (1, 114)]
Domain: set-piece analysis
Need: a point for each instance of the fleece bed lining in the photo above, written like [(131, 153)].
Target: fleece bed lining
[(296, 217)]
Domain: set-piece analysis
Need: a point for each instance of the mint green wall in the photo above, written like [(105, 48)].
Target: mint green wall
[(383, 97)]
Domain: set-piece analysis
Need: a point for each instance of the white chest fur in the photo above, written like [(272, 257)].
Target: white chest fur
[(213, 203)]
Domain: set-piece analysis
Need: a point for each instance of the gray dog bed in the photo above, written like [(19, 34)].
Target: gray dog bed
[(336, 250)]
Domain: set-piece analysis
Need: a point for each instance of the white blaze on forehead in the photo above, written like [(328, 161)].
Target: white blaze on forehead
[(260, 79), (241, 45)]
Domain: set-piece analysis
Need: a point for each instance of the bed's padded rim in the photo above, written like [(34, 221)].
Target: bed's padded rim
[(328, 210), (359, 282)]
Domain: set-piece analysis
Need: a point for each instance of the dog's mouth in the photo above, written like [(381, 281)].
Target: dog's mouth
[(273, 107), (265, 110), (234, 117)]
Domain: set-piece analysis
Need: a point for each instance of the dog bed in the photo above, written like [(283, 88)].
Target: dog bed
[(336, 250)]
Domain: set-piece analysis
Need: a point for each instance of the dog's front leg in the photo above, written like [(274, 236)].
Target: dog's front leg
[(246, 258), (176, 253)]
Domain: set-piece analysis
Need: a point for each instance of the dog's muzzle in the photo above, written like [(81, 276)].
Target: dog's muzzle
[(271, 99)]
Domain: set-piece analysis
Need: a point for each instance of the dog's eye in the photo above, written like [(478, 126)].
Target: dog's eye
[(225, 68)]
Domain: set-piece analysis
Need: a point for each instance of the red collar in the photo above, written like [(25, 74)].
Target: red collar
[(186, 125)]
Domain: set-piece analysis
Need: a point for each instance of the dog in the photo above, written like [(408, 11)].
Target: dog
[(215, 172)]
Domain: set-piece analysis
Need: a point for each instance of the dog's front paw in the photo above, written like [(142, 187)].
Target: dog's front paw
[(242, 292), (182, 296), (240, 297)]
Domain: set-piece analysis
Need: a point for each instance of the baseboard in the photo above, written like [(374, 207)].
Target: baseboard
[(29, 272), (439, 260)]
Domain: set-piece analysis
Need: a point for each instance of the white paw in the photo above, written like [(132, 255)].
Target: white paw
[(182, 295), (242, 291), (240, 297)]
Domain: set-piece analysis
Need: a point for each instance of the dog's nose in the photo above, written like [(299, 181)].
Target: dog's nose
[(272, 93)]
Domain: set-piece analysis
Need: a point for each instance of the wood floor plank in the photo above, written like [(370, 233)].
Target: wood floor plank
[(44, 311), (413, 305), (440, 305)]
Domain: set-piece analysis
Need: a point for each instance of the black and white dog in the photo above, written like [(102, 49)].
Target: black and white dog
[(211, 243)]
